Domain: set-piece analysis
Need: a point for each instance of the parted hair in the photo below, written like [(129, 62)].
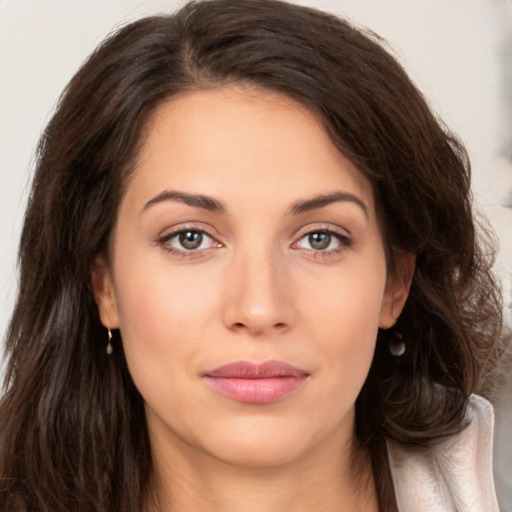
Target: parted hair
[(73, 433)]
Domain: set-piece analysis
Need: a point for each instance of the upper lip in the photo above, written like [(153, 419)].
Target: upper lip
[(250, 370)]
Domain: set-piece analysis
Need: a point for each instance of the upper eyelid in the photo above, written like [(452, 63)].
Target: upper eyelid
[(341, 237), (175, 230), (342, 232), (173, 234), (212, 233)]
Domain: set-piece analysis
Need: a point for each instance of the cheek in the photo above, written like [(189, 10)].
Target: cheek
[(342, 316), (164, 316), (348, 304), (156, 300)]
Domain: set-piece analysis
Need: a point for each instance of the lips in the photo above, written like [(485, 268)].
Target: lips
[(256, 383)]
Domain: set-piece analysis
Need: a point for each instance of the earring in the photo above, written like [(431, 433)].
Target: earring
[(396, 344), (109, 346)]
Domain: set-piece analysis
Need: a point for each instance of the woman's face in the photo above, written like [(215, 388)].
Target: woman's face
[(248, 279)]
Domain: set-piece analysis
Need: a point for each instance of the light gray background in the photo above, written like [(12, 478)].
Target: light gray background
[(459, 52)]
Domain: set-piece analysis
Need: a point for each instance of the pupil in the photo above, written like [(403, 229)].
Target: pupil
[(320, 241), (190, 239)]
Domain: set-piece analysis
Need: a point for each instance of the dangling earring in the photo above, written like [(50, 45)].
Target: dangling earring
[(109, 346), (396, 344)]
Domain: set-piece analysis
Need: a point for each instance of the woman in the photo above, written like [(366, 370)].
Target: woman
[(250, 280)]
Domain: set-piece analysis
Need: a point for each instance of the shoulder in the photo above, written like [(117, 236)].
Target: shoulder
[(452, 474)]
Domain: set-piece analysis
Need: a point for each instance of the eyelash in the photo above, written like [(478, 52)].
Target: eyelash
[(344, 242), (186, 253)]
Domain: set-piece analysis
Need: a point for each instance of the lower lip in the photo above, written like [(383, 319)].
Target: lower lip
[(256, 391)]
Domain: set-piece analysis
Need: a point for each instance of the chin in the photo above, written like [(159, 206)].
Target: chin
[(261, 445), (258, 454)]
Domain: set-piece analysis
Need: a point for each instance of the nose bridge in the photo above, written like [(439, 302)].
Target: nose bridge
[(257, 299)]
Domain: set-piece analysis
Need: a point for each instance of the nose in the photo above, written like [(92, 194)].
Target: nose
[(258, 297)]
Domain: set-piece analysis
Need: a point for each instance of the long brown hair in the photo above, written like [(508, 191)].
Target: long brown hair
[(72, 427)]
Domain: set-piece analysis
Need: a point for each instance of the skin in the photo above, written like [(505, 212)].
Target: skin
[(256, 289)]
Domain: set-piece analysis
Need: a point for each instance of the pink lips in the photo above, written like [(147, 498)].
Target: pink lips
[(256, 383)]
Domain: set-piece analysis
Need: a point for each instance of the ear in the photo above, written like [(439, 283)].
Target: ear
[(103, 291), (397, 290)]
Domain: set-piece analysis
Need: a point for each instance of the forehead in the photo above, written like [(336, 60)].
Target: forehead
[(240, 139)]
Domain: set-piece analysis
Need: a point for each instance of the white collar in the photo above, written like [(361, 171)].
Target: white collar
[(453, 475)]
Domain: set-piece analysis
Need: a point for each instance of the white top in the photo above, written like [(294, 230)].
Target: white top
[(454, 475)]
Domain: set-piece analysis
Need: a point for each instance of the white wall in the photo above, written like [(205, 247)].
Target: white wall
[(458, 51)]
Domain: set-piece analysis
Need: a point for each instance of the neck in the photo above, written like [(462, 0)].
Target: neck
[(324, 481)]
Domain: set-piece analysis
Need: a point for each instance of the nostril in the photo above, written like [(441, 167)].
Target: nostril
[(243, 325)]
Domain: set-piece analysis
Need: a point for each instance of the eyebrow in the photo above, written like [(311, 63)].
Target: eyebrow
[(197, 200), (214, 205), (306, 205)]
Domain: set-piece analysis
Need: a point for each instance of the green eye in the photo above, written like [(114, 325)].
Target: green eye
[(323, 241), (190, 240), (319, 241)]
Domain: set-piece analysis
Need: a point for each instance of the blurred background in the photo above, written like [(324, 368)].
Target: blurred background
[(459, 53)]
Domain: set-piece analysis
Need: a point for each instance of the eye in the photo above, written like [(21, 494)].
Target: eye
[(319, 241), (188, 240), (323, 240)]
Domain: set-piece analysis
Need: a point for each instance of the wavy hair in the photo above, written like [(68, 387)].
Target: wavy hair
[(73, 434)]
